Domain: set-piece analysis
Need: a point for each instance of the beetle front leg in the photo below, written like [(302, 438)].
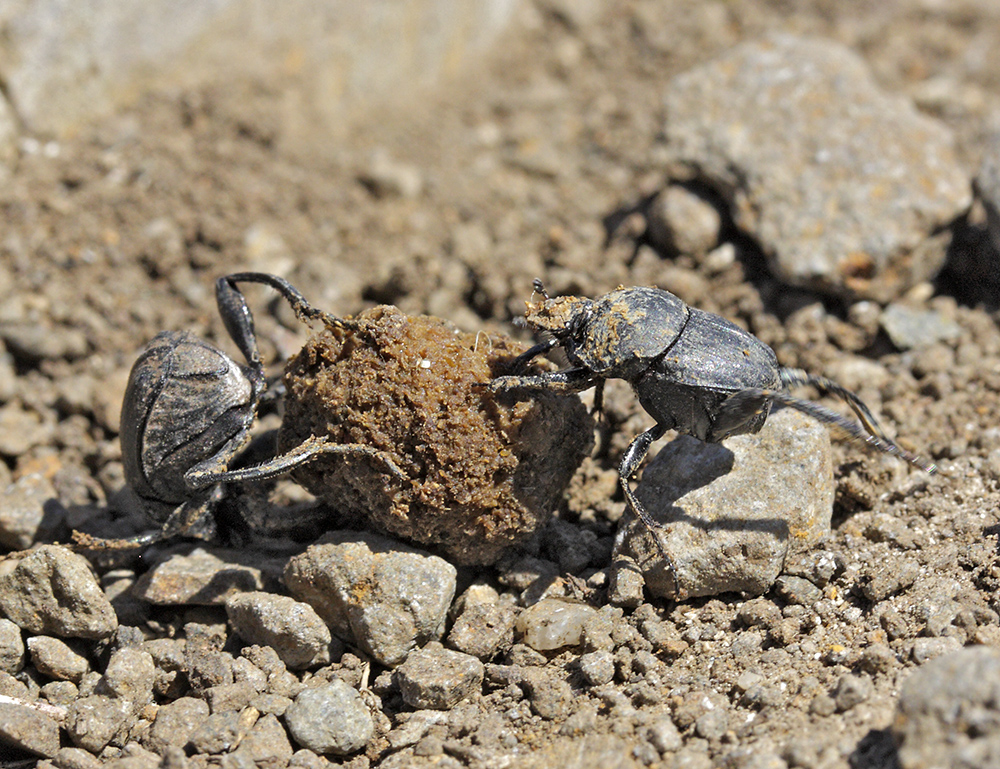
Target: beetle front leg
[(571, 380), (213, 472), (631, 460)]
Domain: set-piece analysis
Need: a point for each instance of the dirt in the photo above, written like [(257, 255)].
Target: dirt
[(533, 166)]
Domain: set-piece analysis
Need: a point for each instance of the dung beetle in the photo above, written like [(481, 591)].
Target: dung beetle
[(187, 415), (693, 371)]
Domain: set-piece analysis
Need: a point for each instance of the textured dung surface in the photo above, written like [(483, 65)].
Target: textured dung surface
[(482, 472)]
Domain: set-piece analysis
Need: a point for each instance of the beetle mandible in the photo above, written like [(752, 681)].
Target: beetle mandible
[(187, 414), (693, 371)]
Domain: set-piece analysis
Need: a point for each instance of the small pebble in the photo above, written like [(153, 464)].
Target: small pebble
[(553, 624), (203, 576), (852, 690), (29, 730), (56, 659), (93, 721), (175, 723), (292, 628), (11, 647), (28, 508), (597, 668), (330, 719), (483, 630), (129, 676), (435, 678)]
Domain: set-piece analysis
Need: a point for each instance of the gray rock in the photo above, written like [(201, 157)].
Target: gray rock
[(553, 624), (330, 719), (483, 629), (56, 659), (731, 512), (267, 744), (28, 507), (597, 668), (11, 647), (625, 584), (435, 678), (852, 690), (370, 590), (219, 733), (682, 222), (203, 576), (292, 628), (911, 327), (21, 429), (52, 591), (842, 184), (234, 696), (175, 723), (60, 693), (949, 712), (129, 676), (75, 758), (797, 590), (93, 721), (28, 729)]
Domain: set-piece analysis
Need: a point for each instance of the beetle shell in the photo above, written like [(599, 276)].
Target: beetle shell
[(185, 401), (626, 330)]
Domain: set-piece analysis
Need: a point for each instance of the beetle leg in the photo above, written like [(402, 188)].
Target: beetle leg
[(631, 460), (793, 377), (877, 441), (212, 472), (571, 380), (235, 305)]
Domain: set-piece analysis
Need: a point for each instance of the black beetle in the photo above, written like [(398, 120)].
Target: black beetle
[(187, 414), (693, 371)]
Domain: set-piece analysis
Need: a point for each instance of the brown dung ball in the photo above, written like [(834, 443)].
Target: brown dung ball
[(482, 472)]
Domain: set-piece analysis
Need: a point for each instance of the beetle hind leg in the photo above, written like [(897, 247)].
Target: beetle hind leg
[(631, 460)]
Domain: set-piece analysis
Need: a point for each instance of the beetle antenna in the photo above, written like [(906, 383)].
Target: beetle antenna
[(539, 288)]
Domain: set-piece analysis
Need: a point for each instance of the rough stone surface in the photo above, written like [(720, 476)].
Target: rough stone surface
[(53, 591), (732, 512), (175, 723), (202, 576), (435, 678), (27, 507), (680, 221), (483, 629), (386, 597), (553, 624), (841, 183), (910, 327), (949, 712), (11, 647), (130, 675), (93, 721), (330, 719), (56, 659), (292, 628), (27, 729)]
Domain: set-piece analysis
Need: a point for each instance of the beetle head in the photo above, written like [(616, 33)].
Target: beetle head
[(562, 317)]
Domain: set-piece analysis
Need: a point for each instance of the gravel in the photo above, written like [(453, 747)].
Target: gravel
[(200, 575), (55, 658), (553, 624), (28, 511)]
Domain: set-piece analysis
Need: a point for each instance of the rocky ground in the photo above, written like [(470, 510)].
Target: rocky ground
[(814, 187)]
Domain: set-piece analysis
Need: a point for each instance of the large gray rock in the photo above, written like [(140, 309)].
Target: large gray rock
[(949, 712), (27, 506), (52, 591), (386, 597), (732, 512), (201, 576), (843, 185), (28, 729)]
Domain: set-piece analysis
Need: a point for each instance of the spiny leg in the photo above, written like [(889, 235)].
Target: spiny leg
[(793, 377), (631, 460), (214, 472), (571, 380), (877, 441)]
